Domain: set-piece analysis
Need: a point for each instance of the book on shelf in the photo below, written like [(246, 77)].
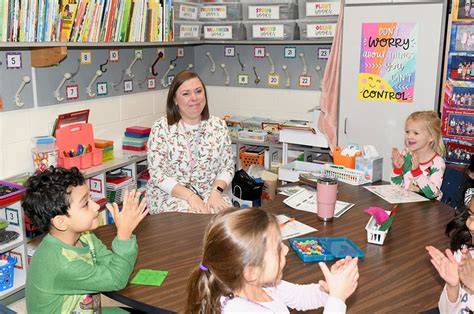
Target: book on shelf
[(68, 14)]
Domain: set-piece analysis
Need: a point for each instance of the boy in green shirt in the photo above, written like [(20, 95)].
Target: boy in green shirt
[(71, 265)]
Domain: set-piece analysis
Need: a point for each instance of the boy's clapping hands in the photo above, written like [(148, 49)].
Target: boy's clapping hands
[(133, 211)]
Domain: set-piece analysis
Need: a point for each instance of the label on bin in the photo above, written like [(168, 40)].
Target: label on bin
[(189, 31), (218, 32), (188, 12), (322, 8), (267, 31), (267, 12), (321, 30), (214, 12)]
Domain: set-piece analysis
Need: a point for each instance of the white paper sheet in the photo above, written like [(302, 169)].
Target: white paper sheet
[(293, 228), (395, 194), (306, 199)]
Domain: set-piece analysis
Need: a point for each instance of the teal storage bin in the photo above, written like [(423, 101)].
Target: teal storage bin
[(332, 248)]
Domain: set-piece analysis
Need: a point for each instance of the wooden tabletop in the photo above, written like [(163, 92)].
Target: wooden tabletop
[(395, 277)]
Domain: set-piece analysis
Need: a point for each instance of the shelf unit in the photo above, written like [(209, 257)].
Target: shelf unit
[(13, 213), (164, 44)]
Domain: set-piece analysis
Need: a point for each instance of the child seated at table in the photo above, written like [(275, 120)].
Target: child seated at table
[(71, 266), (457, 269), (420, 166), (241, 270)]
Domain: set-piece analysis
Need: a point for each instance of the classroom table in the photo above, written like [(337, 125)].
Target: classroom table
[(395, 277)]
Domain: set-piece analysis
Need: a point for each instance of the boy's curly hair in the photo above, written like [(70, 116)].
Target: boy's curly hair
[(48, 195)]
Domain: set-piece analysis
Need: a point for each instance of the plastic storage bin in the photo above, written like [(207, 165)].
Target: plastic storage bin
[(374, 235), (311, 9), (185, 31), (44, 152), (346, 175), (316, 30), (269, 10), (70, 138), (229, 11), (186, 10), (346, 161), (7, 272), (223, 31), (324, 249), (270, 30)]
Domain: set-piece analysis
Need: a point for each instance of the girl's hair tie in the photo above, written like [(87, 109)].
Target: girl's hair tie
[(202, 267)]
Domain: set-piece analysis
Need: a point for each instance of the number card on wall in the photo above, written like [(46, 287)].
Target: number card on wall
[(95, 185), (13, 60), (114, 55), (72, 92), (12, 216), (273, 80), (86, 57), (19, 260), (304, 81), (101, 88), (290, 52), (259, 52), (323, 53), (151, 83), (127, 86), (243, 79)]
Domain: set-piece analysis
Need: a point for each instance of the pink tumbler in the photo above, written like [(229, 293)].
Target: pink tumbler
[(327, 194)]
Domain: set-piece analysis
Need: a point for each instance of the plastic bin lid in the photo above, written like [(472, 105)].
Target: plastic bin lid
[(342, 247), (46, 139)]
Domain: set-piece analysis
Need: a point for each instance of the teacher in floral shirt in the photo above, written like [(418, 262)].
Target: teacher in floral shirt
[(189, 153)]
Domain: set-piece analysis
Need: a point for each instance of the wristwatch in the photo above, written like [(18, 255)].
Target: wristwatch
[(218, 189)]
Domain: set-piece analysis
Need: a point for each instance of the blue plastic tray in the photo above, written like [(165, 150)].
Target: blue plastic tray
[(335, 248)]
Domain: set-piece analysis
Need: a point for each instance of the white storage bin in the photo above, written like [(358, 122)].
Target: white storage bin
[(316, 30), (374, 235), (310, 9), (185, 10), (223, 31), (270, 30), (230, 11), (185, 31), (269, 10), (291, 171)]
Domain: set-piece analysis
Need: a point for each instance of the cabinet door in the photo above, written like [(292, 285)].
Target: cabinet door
[(377, 122)]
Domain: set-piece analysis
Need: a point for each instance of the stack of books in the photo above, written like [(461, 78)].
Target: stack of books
[(136, 138), (116, 185)]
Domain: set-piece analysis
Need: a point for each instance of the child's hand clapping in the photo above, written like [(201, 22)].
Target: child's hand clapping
[(397, 158), (341, 281), (466, 270), (415, 163), (133, 211), (446, 265)]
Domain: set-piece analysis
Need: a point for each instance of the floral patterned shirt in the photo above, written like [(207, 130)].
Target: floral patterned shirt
[(194, 157)]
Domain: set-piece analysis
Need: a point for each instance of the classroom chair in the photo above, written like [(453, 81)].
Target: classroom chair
[(451, 187)]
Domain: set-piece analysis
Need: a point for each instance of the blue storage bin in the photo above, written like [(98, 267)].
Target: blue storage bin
[(7, 273), (333, 248)]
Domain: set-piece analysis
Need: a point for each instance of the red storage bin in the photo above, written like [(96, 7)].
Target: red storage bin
[(70, 139)]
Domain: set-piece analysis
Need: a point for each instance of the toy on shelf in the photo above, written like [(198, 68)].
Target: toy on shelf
[(107, 147)]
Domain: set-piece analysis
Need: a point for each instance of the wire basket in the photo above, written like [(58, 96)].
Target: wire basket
[(346, 175), (7, 272), (374, 235)]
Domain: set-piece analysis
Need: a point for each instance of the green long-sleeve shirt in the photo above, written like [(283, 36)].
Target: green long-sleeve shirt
[(68, 279)]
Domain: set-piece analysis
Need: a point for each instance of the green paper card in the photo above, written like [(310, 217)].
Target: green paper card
[(149, 277)]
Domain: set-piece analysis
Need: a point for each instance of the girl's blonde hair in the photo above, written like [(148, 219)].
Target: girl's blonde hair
[(234, 239), (433, 125)]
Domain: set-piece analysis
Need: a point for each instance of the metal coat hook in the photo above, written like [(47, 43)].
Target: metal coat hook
[(25, 80), (257, 78), (319, 70), (269, 57), (128, 71), (242, 65), (89, 87), (160, 55), (102, 69), (227, 78), (116, 84), (57, 92), (78, 68), (287, 75), (213, 64), (163, 82), (190, 67), (305, 68), (173, 62)]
